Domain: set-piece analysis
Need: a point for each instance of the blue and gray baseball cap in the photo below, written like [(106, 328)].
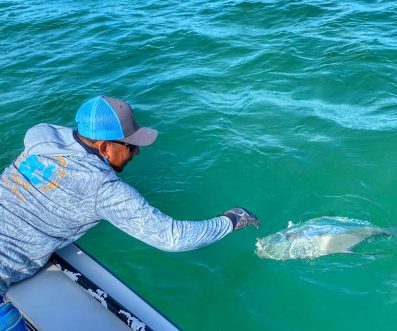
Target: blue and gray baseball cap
[(104, 118)]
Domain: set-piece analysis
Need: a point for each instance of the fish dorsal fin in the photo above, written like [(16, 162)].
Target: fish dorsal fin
[(290, 223)]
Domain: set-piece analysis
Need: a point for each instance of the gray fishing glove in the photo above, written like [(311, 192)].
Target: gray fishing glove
[(241, 218)]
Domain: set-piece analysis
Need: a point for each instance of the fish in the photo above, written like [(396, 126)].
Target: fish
[(317, 237)]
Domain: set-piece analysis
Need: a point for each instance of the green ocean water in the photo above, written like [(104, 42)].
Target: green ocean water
[(287, 108)]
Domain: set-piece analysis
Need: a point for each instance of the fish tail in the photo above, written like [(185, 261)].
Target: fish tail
[(391, 231)]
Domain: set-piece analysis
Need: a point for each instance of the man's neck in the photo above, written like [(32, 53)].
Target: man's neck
[(86, 141), (87, 144)]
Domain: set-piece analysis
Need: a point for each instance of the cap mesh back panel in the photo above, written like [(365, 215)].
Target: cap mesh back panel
[(106, 125), (97, 120)]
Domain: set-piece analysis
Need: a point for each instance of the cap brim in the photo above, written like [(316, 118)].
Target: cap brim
[(141, 137)]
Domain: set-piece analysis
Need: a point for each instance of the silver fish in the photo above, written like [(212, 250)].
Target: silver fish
[(315, 238)]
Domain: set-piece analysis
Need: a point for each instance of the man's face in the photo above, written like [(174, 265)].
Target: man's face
[(119, 154)]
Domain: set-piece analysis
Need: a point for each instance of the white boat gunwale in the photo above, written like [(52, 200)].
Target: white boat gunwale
[(143, 315)]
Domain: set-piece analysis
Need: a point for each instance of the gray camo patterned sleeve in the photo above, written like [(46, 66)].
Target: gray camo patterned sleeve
[(124, 207)]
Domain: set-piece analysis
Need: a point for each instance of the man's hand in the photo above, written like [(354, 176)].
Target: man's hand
[(241, 218)]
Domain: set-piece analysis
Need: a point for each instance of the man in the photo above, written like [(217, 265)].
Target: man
[(65, 182)]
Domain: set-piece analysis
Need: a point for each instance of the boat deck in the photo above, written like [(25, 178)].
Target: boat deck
[(50, 300)]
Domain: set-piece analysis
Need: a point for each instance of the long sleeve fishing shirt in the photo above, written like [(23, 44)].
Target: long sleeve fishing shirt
[(56, 190)]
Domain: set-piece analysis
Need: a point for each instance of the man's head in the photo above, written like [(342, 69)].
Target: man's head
[(109, 125)]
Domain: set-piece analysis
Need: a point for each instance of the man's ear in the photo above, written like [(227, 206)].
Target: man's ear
[(102, 148)]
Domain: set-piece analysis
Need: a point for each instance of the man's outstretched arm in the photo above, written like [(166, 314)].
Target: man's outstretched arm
[(123, 206)]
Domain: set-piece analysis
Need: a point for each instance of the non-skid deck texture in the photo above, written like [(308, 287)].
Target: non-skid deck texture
[(53, 302)]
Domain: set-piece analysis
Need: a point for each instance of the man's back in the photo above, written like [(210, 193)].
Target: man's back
[(47, 199)]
